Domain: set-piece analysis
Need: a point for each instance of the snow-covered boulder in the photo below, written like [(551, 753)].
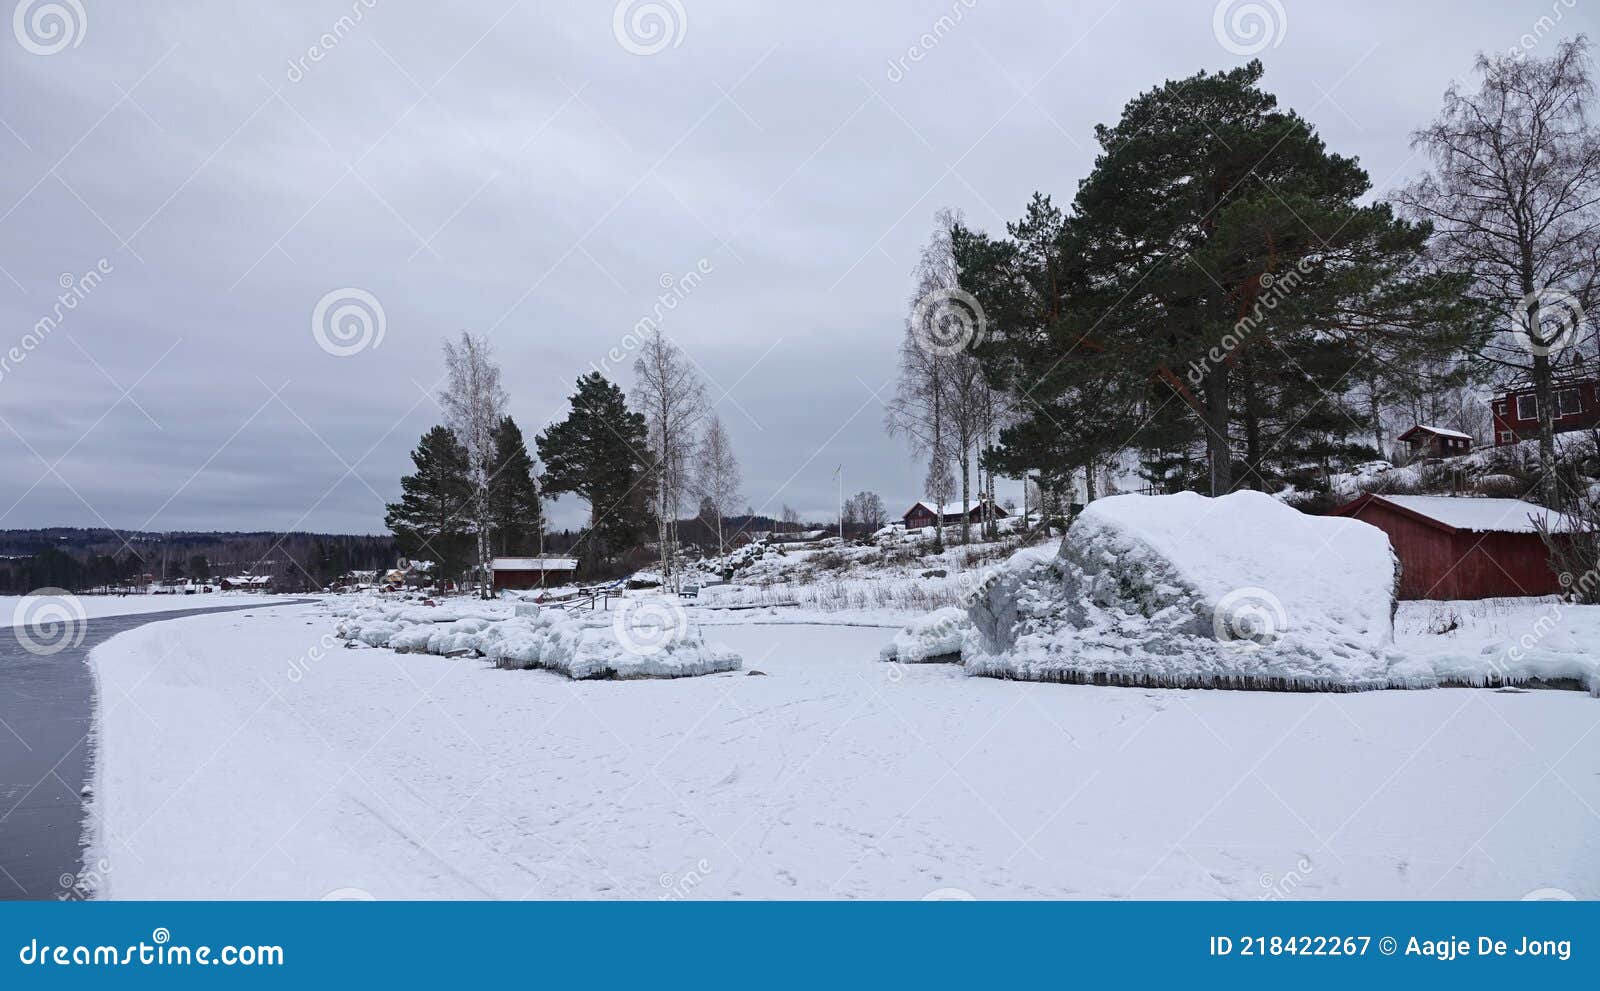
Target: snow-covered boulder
[(1185, 590)]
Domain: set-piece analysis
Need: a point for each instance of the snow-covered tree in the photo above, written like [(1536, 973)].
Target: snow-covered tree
[(474, 404)]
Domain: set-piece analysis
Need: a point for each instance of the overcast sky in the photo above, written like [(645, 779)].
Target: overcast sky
[(535, 171)]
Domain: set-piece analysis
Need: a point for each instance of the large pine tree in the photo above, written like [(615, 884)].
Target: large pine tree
[(599, 453), (514, 511), (430, 522), (1217, 259)]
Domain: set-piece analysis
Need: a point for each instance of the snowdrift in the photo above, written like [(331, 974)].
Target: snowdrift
[(642, 639), (1186, 591)]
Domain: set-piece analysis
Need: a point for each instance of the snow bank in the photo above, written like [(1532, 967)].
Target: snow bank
[(644, 638), (937, 636)]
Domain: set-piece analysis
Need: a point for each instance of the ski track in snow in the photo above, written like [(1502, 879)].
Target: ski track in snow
[(835, 776)]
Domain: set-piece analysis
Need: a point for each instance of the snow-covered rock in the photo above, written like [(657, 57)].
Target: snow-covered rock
[(1239, 591), (579, 644)]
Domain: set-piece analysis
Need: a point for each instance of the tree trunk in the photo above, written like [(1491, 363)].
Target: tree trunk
[(1089, 491), (1252, 431), (1216, 426), (1550, 484), (966, 497)]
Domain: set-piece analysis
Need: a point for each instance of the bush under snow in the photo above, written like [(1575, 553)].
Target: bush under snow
[(580, 645)]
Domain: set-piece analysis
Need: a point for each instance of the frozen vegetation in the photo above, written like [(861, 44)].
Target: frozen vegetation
[(646, 638)]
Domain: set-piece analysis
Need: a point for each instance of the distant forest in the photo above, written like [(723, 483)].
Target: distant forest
[(84, 560)]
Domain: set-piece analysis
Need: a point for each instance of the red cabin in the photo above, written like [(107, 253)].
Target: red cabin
[(924, 514), (1516, 411), (1436, 442), (1454, 547)]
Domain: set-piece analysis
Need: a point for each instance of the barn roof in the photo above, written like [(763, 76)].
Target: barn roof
[(535, 564), (1468, 514)]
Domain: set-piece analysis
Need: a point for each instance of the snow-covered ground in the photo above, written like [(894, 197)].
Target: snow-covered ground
[(15, 609), (252, 756)]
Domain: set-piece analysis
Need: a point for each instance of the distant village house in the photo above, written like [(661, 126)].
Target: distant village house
[(924, 514)]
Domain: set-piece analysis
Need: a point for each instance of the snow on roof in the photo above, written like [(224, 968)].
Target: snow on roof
[(1482, 515), (535, 564), (952, 508), (1441, 431)]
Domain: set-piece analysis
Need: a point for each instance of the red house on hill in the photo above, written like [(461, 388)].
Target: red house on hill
[(1436, 442), (1516, 411), (1464, 548), (923, 514)]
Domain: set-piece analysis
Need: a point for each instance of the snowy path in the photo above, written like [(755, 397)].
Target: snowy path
[(834, 775)]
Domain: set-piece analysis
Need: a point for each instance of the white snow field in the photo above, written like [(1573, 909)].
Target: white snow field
[(250, 756)]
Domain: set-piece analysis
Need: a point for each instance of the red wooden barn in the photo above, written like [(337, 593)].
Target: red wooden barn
[(520, 573), (1454, 547)]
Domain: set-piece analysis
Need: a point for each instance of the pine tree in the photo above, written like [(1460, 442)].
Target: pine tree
[(430, 520), (599, 453), (1216, 245), (515, 515)]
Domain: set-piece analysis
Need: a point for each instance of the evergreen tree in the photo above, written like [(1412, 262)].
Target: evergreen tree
[(430, 522), (599, 453), (1216, 260), (514, 512)]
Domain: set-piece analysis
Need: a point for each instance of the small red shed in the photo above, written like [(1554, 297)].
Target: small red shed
[(1457, 547), (1436, 442)]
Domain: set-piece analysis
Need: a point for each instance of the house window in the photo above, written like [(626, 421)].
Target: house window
[(1568, 402), (1505, 437), (1528, 407), (1500, 407)]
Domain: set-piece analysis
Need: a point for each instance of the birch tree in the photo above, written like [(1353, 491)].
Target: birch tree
[(1513, 195), (718, 474), (474, 404), (672, 398)]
